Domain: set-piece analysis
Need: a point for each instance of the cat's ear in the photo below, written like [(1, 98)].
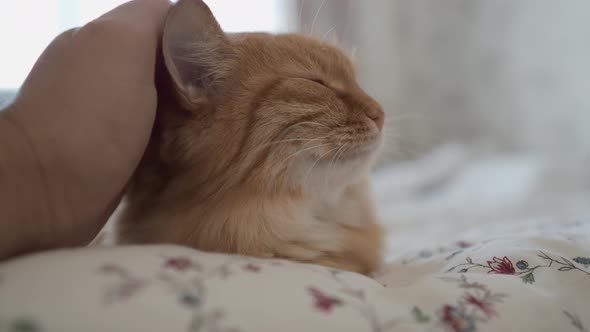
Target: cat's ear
[(197, 53)]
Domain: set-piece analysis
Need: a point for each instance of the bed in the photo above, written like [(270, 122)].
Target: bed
[(475, 244)]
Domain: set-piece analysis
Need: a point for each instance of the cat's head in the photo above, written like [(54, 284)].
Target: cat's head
[(265, 110)]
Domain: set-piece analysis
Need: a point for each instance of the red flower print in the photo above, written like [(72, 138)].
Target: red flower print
[(251, 268), (501, 266), (481, 304), (456, 320), (178, 263), (322, 301)]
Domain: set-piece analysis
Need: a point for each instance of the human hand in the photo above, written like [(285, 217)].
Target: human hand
[(83, 117)]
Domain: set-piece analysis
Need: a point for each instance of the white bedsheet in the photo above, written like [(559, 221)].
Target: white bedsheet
[(453, 194)]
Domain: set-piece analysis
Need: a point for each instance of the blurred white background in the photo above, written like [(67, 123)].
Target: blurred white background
[(488, 105), (491, 97), (510, 75), (27, 26)]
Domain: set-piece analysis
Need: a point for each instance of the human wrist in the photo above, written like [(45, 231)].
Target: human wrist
[(25, 212)]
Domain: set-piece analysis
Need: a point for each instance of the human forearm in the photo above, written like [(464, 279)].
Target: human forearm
[(78, 129), (22, 193)]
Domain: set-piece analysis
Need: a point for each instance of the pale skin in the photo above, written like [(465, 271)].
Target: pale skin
[(75, 134)]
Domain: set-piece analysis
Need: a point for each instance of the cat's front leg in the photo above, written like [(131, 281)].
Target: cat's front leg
[(362, 249), (352, 248)]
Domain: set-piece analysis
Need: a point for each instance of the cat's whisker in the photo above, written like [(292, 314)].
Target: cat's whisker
[(312, 123), (315, 163), (271, 143), (334, 160), (347, 28), (327, 33), (362, 112), (348, 145), (296, 140), (299, 25), (343, 152), (307, 141), (317, 14), (309, 123), (397, 116), (321, 139), (306, 149), (338, 156)]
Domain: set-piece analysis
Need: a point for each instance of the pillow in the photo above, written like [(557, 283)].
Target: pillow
[(517, 283)]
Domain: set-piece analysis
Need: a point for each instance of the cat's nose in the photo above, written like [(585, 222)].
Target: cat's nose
[(377, 115), (369, 106)]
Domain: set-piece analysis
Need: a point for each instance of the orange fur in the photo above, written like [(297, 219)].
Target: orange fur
[(261, 147)]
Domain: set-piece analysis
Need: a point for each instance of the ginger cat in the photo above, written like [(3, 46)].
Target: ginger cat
[(262, 147)]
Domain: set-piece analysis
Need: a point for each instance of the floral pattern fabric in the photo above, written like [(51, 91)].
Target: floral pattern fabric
[(533, 282)]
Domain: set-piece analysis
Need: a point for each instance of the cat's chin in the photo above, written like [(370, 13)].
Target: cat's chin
[(343, 170), (365, 154)]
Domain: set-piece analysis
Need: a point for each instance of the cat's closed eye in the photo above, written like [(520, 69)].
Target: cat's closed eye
[(318, 80), (337, 87)]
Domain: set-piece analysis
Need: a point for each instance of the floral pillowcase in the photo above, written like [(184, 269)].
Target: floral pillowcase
[(538, 283)]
